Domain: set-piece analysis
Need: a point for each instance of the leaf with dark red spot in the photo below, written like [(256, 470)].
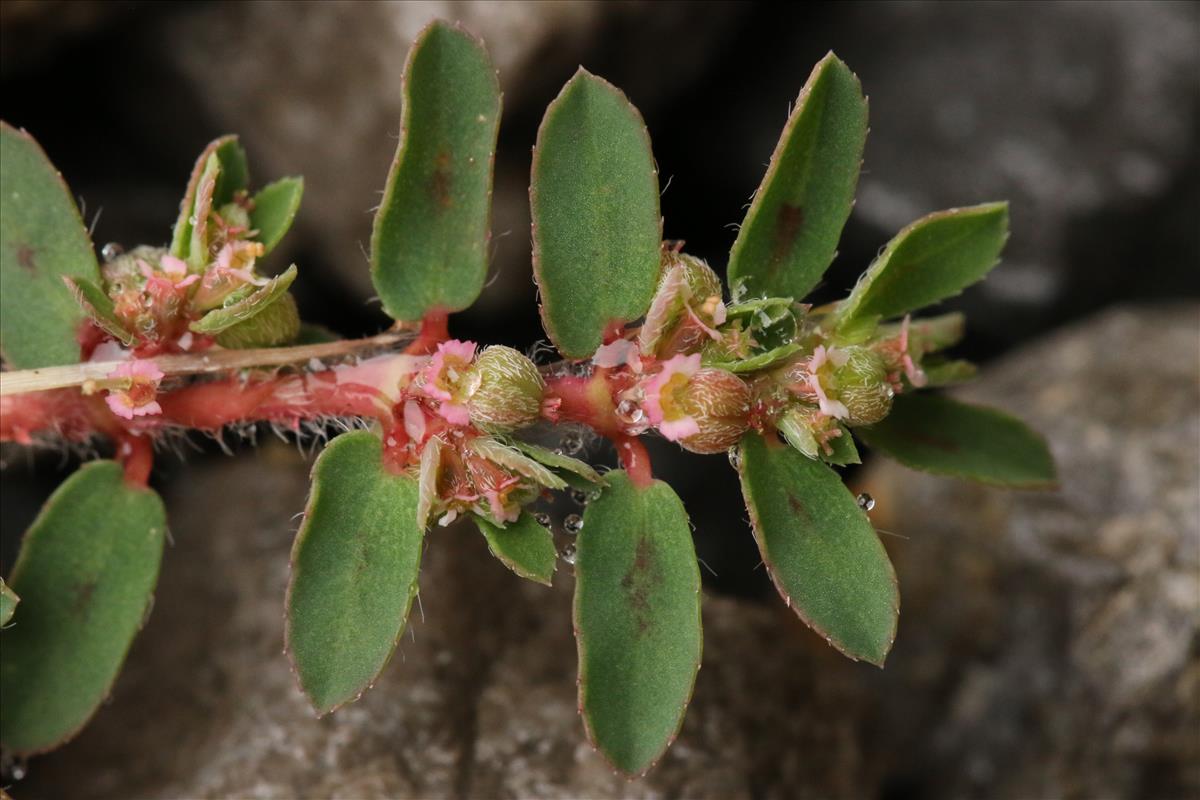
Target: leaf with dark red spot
[(820, 548), (637, 621), (85, 574), (429, 245), (42, 241), (354, 571), (938, 434), (791, 232)]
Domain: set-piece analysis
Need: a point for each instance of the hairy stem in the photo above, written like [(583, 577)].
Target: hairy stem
[(77, 375)]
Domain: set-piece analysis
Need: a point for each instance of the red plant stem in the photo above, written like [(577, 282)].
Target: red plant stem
[(635, 460), (368, 389), (371, 389), (590, 401), (434, 330), (137, 456), (586, 400)]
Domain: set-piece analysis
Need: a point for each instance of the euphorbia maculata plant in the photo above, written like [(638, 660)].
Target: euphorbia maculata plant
[(192, 336)]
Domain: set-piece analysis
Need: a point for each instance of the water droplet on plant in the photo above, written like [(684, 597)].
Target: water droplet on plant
[(12, 769), (111, 251), (735, 458), (542, 519), (579, 496), (573, 523), (568, 554), (865, 501), (572, 442), (630, 412)]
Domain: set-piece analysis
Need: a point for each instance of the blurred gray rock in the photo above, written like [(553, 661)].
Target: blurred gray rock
[(1068, 110), (1050, 642), (314, 88)]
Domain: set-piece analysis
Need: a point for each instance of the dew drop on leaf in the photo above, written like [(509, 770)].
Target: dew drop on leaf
[(735, 458), (573, 524), (579, 497), (568, 554), (111, 250), (865, 501), (542, 519)]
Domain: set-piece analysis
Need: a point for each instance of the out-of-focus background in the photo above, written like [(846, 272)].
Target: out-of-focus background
[(1049, 644)]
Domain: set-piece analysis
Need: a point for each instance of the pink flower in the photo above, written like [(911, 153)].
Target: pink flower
[(820, 357), (615, 354), (446, 378), (666, 397), (173, 275), (175, 267), (138, 381)]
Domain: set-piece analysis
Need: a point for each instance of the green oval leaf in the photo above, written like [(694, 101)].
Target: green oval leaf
[(99, 307), (86, 573), (525, 546), (933, 258), (429, 246), (354, 571), (637, 621), (938, 434), (42, 240), (247, 308), (275, 208), (790, 234), (8, 603), (596, 225), (820, 549)]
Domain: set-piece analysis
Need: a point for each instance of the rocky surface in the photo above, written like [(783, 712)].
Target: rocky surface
[(1049, 644), (1071, 111)]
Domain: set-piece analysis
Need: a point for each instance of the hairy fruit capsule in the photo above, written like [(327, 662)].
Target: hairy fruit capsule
[(705, 410), (686, 309), (507, 390)]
